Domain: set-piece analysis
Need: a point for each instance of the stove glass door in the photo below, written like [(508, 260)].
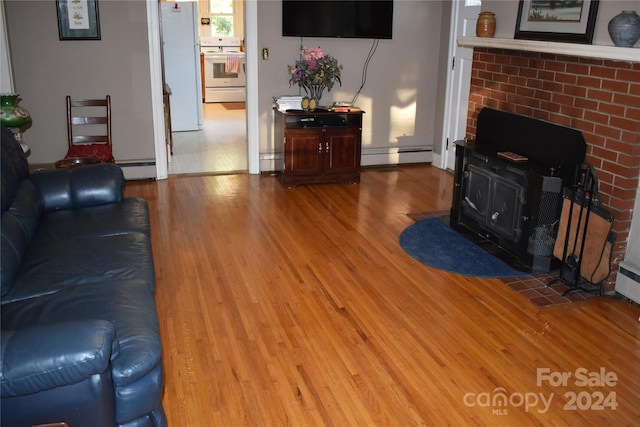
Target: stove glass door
[(494, 202), (477, 190), (505, 215)]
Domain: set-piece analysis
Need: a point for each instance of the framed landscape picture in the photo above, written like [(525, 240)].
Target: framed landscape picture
[(570, 21), (78, 19)]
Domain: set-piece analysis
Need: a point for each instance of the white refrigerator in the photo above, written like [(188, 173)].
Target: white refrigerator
[(181, 57)]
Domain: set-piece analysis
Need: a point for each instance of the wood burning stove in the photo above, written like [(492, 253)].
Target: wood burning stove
[(508, 184)]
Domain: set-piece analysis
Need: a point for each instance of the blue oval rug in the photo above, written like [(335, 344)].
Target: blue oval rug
[(435, 244)]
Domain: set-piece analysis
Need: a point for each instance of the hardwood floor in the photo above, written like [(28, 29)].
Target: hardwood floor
[(298, 307)]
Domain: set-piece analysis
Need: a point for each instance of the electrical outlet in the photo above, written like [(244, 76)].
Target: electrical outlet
[(265, 53)]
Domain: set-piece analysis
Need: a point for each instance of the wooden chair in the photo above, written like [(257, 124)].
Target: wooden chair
[(89, 128)]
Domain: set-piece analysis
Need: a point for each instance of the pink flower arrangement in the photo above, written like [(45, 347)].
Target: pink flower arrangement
[(311, 55), (315, 67)]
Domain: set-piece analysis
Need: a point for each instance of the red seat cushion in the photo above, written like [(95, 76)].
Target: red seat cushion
[(100, 151)]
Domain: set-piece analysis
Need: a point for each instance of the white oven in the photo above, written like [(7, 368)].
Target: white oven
[(224, 69)]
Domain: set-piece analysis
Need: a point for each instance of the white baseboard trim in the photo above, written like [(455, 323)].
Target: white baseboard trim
[(437, 161)]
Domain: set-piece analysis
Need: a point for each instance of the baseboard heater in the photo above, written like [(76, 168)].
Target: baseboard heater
[(628, 281), (138, 169), (369, 157), (396, 155)]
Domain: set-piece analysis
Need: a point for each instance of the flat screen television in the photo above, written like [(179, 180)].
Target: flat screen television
[(368, 19)]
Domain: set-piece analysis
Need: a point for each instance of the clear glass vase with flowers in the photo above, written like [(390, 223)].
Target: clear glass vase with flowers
[(315, 71)]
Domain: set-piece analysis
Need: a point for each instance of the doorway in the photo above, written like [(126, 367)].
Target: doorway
[(155, 70), (220, 143), (219, 147)]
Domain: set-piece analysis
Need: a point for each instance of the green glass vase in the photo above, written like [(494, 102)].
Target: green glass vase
[(11, 114)]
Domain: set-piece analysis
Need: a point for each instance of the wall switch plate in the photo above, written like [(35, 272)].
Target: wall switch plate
[(265, 53)]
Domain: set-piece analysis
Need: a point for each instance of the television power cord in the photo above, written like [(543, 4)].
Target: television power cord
[(372, 51)]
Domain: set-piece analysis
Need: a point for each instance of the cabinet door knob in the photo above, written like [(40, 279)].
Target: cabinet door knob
[(320, 147), (326, 145)]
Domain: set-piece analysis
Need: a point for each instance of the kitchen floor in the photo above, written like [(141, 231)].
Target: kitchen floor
[(219, 147)]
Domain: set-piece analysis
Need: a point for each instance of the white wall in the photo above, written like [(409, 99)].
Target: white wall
[(47, 69), (6, 77), (627, 284), (402, 97), (633, 247), (401, 94)]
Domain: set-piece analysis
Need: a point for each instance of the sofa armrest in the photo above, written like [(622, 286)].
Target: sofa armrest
[(45, 357), (63, 189)]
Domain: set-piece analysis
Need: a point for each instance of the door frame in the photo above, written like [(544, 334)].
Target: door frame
[(447, 151), (157, 106)]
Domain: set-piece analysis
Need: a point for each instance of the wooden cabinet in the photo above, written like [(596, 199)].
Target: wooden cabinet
[(317, 147)]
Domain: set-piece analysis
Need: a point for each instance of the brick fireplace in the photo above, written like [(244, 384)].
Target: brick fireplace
[(600, 98)]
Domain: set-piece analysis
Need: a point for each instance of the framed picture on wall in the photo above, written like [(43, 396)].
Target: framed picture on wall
[(78, 19), (570, 21)]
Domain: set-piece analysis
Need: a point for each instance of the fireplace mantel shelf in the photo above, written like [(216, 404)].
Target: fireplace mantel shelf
[(626, 54)]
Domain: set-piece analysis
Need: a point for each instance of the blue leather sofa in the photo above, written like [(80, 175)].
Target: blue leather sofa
[(80, 337)]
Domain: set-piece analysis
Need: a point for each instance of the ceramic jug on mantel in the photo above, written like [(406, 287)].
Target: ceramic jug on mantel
[(486, 24)]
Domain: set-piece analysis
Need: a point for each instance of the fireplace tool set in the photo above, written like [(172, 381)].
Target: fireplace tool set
[(585, 237)]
